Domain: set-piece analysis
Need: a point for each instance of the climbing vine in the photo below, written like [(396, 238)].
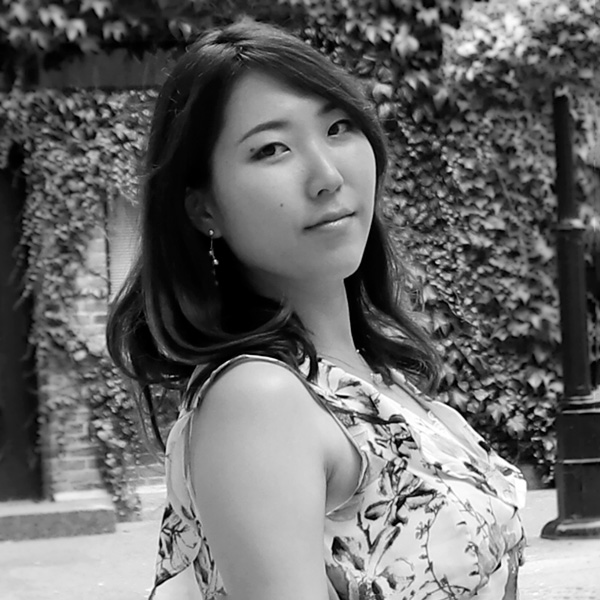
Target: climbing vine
[(80, 150), (470, 196), (478, 210)]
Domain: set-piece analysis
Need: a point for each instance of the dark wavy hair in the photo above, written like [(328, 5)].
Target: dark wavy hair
[(170, 316)]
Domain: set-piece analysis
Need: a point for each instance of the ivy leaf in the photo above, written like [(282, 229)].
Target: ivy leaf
[(79, 355), (371, 33), (40, 39), (180, 28), (467, 49), (495, 411), (481, 395), (535, 380), (428, 293), (76, 28), (429, 16), (439, 323), (382, 92), (100, 7), (16, 35), (517, 425), (493, 222), (53, 14), (403, 5), (540, 354), (404, 43), (20, 12), (459, 399), (440, 98), (115, 30), (522, 292), (555, 51), (543, 249)]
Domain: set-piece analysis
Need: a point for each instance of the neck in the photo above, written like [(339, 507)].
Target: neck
[(323, 309), (326, 316)]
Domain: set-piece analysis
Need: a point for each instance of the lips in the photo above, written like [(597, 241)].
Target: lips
[(330, 218)]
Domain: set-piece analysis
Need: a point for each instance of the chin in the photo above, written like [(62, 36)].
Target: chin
[(345, 269)]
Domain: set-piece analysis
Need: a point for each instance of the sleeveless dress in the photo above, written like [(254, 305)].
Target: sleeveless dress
[(435, 515)]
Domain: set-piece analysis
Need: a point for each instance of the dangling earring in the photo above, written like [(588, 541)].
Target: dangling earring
[(213, 258)]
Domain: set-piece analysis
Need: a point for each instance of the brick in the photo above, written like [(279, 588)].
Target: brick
[(75, 428), (84, 320), (89, 281), (80, 451), (97, 243), (57, 381), (96, 263), (91, 330), (93, 305), (74, 464), (154, 481), (69, 453), (85, 479)]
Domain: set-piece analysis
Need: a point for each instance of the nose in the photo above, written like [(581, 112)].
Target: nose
[(324, 176)]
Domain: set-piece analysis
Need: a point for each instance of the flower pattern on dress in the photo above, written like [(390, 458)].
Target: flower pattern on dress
[(434, 515)]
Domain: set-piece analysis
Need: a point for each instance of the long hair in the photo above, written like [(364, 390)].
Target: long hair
[(170, 316)]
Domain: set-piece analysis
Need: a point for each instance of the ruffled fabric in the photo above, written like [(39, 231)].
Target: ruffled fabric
[(434, 515)]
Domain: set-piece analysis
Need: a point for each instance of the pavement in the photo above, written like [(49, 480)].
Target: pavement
[(120, 565)]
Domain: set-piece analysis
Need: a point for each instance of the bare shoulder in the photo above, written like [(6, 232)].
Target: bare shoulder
[(256, 403), (256, 418), (255, 386), (257, 458)]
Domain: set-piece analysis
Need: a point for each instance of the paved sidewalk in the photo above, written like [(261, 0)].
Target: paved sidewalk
[(119, 566), (556, 568)]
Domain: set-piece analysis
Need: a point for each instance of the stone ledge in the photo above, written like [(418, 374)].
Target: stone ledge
[(27, 520), (152, 499)]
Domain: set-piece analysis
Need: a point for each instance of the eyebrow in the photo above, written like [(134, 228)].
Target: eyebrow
[(283, 123)]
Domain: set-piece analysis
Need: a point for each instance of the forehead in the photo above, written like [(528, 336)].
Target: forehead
[(257, 96)]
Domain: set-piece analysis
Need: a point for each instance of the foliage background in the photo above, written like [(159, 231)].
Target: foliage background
[(483, 220), (470, 198)]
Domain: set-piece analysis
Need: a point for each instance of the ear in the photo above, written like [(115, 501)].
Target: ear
[(201, 212)]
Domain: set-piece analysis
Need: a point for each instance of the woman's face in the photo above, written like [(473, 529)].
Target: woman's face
[(293, 186)]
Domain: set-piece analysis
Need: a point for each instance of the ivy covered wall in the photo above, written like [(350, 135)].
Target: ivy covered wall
[(469, 200), (80, 156), (478, 210)]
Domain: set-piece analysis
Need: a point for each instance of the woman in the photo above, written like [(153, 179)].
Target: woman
[(306, 463)]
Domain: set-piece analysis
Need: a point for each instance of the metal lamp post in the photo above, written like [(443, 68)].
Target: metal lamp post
[(577, 470)]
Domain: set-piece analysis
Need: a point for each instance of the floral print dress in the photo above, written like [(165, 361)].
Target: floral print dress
[(434, 516)]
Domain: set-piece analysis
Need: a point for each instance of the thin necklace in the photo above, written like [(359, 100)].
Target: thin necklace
[(376, 378)]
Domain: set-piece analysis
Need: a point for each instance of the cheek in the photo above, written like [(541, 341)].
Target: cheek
[(372, 164), (252, 219), (248, 204), (364, 171)]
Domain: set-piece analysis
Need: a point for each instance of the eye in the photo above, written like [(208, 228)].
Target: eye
[(269, 151), (340, 127)]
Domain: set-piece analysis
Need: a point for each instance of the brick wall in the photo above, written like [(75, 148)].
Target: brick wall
[(68, 450), (69, 460), (70, 454)]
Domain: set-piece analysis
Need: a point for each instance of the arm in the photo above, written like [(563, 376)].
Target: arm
[(258, 471)]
